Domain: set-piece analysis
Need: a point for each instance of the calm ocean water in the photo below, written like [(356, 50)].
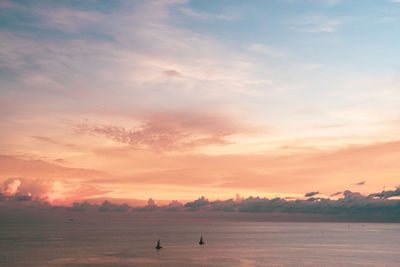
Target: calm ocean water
[(227, 244)]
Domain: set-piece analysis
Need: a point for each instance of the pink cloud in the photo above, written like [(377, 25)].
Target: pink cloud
[(12, 187), (69, 19), (26, 186), (16, 167), (169, 131), (48, 181), (54, 191), (172, 73)]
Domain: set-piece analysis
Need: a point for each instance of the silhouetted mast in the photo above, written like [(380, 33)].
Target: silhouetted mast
[(158, 245), (201, 240)]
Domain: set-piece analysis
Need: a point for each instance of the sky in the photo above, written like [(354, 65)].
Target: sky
[(177, 99)]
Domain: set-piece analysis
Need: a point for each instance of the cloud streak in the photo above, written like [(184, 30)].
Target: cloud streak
[(267, 50), (206, 15), (310, 194), (317, 24)]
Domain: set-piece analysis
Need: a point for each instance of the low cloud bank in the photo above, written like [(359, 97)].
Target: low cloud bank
[(351, 204), (387, 194)]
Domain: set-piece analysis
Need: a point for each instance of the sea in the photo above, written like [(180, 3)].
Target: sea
[(226, 244)]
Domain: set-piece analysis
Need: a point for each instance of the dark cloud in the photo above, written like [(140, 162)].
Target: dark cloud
[(310, 194), (314, 199), (387, 194), (352, 195), (3, 197), (336, 194), (361, 183), (108, 206), (200, 202), (260, 204), (227, 205), (151, 206), (353, 206), (174, 206), (23, 198), (76, 206)]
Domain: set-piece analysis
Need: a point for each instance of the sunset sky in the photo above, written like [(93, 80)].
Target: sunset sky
[(176, 99)]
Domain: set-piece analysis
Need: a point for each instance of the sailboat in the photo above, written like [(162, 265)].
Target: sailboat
[(158, 245), (201, 241)]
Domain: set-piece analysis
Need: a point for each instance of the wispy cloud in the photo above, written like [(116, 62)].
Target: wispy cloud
[(51, 141), (387, 194), (267, 50), (7, 4), (323, 2), (316, 24), (331, 2), (310, 194), (169, 131), (69, 19), (336, 194), (172, 73), (206, 15)]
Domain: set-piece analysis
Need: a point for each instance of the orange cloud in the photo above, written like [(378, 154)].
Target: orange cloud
[(324, 171), (11, 187), (143, 174), (53, 191), (16, 167)]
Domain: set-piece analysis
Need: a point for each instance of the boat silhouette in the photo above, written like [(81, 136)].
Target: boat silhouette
[(201, 241), (158, 245)]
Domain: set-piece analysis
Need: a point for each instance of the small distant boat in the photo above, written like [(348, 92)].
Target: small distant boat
[(201, 241), (158, 245)]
